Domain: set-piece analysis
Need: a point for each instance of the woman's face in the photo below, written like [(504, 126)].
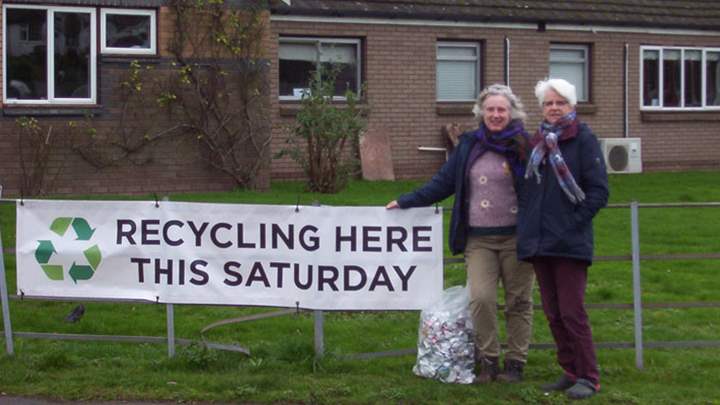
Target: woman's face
[(496, 113), (555, 106)]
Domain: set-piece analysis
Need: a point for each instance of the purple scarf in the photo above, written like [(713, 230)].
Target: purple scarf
[(506, 143), (545, 143)]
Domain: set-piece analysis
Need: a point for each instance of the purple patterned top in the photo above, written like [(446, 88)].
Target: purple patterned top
[(492, 201)]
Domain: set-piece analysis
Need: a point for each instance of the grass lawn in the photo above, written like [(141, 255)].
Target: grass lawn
[(282, 368)]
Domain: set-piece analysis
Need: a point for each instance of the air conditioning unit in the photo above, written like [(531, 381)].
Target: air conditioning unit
[(622, 155)]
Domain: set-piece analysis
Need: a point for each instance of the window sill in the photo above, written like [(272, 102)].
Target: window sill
[(586, 108), (679, 116), (290, 109), (454, 108), (51, 111), (120, 58)]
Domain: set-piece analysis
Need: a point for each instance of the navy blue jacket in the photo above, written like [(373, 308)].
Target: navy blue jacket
[(548, 223), (449, 180)]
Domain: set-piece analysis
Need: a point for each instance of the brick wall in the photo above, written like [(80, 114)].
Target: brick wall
[(169, 166), (399, 71)]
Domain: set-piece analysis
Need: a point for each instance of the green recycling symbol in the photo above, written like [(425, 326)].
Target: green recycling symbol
[(46, 249)]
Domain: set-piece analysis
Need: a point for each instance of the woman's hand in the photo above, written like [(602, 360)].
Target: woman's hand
[(392, 205)]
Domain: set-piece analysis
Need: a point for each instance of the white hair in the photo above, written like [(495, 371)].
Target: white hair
[(517, 110), (560, 86)]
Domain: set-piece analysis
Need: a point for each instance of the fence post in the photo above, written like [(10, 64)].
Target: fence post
[(170, 314), (319, 322), (319, 334), (637, 298), (7, 326)]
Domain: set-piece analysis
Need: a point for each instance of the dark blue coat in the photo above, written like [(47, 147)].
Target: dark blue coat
[(548, 223), (449, 180)]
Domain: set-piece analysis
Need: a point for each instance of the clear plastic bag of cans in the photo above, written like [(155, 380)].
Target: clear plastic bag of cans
[(445, 350)]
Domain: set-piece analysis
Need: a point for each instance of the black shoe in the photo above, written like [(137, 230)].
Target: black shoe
[(512, 372), (76, 314), (582, 389), (489, 370), (560, 385)]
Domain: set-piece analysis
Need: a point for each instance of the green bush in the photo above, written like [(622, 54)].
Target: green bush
[(324, 131)]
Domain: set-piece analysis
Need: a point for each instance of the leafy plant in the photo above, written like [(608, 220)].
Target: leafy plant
[(198, 356), (245, 390), (135, 127), (35, 145), (219, 87), (324, 131), (213, 93)]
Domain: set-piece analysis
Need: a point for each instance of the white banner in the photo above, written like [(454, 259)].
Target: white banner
[(345, 258)]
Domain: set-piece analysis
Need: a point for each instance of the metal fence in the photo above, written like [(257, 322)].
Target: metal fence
[(319, 317)]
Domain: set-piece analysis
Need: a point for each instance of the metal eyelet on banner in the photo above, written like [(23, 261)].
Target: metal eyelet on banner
[(297, 205), (157, 204), (22, 295)]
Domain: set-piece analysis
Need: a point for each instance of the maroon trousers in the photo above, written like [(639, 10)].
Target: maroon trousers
[(562, 288)]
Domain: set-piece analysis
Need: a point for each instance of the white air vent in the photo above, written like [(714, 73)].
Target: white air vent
[(622, 155)]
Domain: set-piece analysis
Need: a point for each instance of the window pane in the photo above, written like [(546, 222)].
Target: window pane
[(671, 78), (346, 78), (72, 55), (693, 78), (457, 71), (457, 52), (651, 75), (567, 55), (456, 80), (297, 62), (343, 58), (572, 72), (337, 53), (571, 64), (712, 89), (26, 54), (127, 31)]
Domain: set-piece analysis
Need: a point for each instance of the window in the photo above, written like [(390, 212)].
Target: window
[(302, 57), (457, 71), (49, 55), (679, 78), (571, 62), (129, 32), (712, 78)]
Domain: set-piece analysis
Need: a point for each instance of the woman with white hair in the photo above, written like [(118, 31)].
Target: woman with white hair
[(484, 172), (566, 185)]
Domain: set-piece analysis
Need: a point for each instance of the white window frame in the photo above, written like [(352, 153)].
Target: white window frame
[(585, 62), (661, 100), (128, 51), (476, 60), (318, 43), (49, 35)]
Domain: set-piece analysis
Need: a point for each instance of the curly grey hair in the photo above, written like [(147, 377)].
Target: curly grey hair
[(517, 110)]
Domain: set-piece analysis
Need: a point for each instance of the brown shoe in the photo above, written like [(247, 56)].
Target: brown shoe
[(512, 372), (488, 370)]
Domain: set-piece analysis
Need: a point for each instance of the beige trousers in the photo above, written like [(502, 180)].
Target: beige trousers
[(489, 260)]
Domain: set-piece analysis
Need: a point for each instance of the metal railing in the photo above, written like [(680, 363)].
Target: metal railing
[(319, 317)]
